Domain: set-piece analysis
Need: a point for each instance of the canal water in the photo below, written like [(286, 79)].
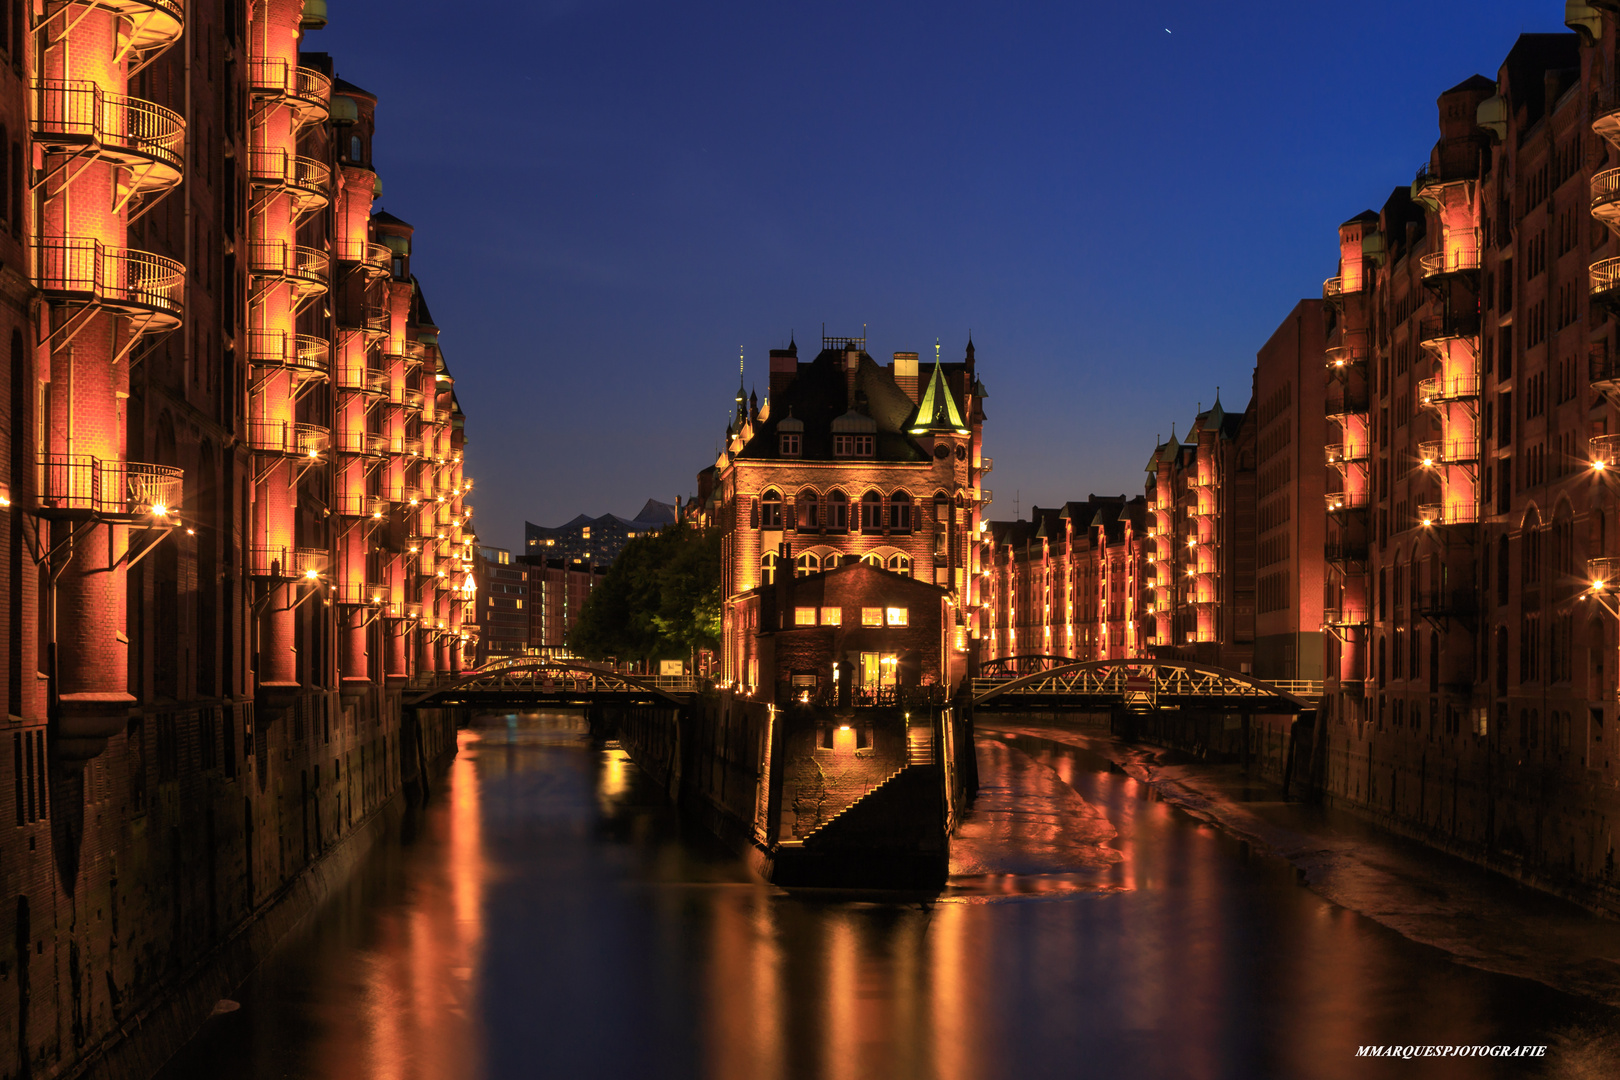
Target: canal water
[(549, 915)]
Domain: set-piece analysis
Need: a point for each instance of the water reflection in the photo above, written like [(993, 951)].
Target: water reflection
[(553, 917)]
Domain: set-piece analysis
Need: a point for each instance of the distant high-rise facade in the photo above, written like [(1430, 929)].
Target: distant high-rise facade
[(503, 604), (231, 486), (598, 540), (848, 459), (558, 589)]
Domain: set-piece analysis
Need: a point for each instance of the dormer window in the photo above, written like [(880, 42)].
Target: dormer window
[(790, 444), (854, 446)]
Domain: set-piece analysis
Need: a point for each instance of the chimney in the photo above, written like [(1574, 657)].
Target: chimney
[(905, 373), (852, 364), (784, 368)]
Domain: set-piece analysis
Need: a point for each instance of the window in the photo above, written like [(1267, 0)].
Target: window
[(832, 616), (871, 512), (898, 616), (871, 616), (900, 564), (805, 565), (808, 519), (790, 444), (837, 512), (767, 569), (853, 445), (900, 512), (770, 506), (804, 616)]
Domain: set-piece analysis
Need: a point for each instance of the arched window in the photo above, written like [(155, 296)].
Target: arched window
[(837, 512), (808, 518), (831, 560), (770, 509), (900, 564), (1381, 653), (1434, 663), (871, 512), (900, 512), (357, 150), (1502, 570), (872, 558), (805, 565), (767, 568), (1530, 550)]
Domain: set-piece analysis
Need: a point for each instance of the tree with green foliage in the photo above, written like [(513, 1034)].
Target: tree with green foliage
[(660, 601)]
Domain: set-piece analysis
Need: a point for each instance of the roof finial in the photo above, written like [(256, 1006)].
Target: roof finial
[(936, 350)]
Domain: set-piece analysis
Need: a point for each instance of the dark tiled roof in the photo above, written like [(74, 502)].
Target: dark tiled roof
[(819, 394), (383, 217), (344, 86)]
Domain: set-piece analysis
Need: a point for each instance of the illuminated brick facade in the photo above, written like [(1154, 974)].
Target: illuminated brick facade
[(851, 460), (231, 488), (1067, 583)]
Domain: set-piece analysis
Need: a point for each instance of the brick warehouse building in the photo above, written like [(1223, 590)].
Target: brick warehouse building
[(1471, 677), (232, 492), (849, 460)]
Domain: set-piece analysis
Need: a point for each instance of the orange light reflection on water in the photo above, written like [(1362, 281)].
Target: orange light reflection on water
[(416, 988)]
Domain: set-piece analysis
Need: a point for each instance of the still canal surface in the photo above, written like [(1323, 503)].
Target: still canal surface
[(548, 915)]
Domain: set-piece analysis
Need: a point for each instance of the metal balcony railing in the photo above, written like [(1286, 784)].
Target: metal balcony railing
[(305, 269), (1605, 449), (300, 353), (286, 563), (306, 91), (99, 487), (1342, 618), (1344, 551), (1341, 358), (1452, 513), (1434, 391), (372, 256), (1453, 260), (349, 504), (82, 269), (1605, 278), (1338, 455), (1604, 572), (1605, 194), (1446, 452), (153, 24), (1340, 501), (307, 181), (362, 378), (75, 114), (1343, 400), (358, 593), (287, 439), (359, 443), (1333, 288)]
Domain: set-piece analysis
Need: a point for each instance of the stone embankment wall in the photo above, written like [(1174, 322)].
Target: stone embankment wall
[(141, 888)]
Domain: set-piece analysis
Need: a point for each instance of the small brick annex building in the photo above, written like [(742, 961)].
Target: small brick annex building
[(846, 636)]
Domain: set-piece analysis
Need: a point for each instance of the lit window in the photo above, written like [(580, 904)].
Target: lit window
[(585, 533), (832, 616), (871, 616), (804, 616), (520, 605), (899, 616)]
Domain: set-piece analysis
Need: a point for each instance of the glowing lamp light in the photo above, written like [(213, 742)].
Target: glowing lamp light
[(191, 532), (159, 510), (1599, 465), (312, 574), (1428, 463), (1427, 522), (5, 500), (1597, 586)]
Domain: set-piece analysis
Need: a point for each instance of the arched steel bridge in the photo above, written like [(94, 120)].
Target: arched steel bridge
[(521, 683), (1133, 684)]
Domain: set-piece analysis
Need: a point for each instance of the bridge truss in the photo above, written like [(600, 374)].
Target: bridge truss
[(526, 683), (1133, 684)]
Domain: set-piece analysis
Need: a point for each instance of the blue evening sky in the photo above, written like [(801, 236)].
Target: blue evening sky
[(1121, 200)]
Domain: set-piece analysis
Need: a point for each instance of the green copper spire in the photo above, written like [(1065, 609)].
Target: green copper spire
[(938, 412)]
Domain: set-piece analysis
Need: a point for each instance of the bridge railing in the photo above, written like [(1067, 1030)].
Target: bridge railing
[(1142, 684)]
